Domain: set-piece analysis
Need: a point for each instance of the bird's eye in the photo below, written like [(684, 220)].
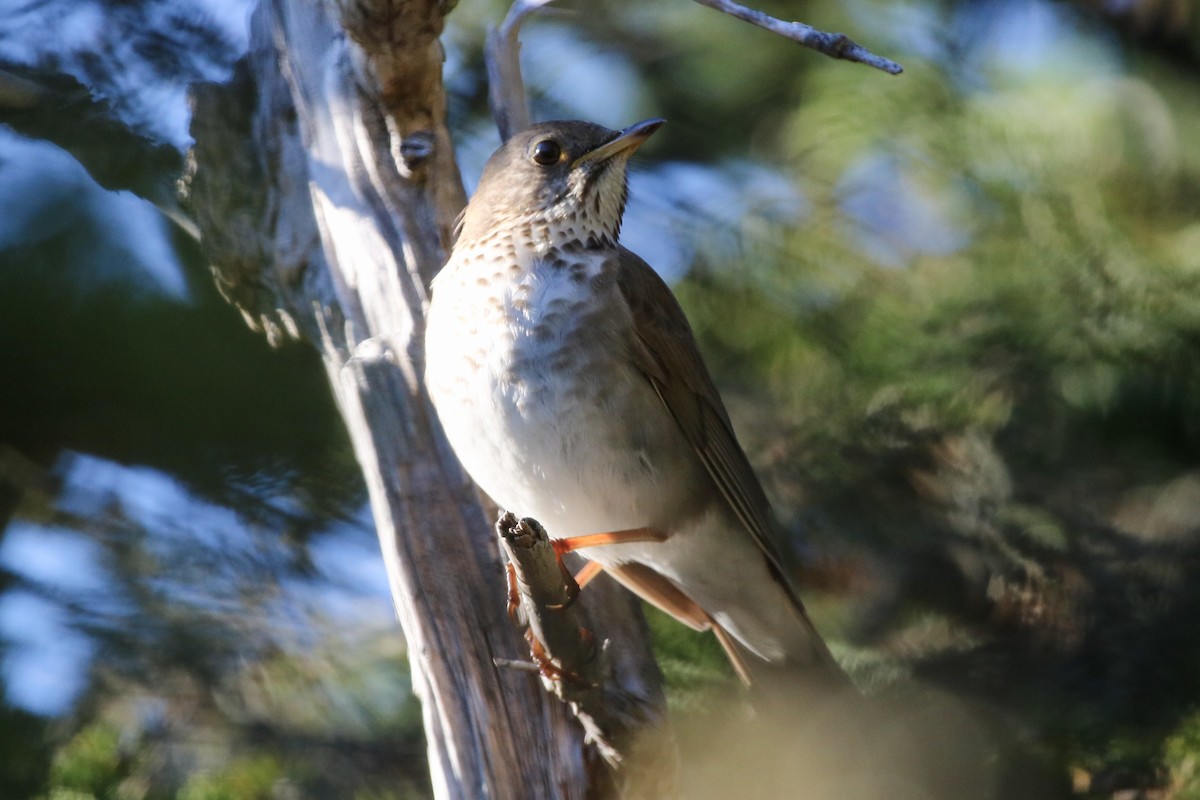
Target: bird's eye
[(546, 152)]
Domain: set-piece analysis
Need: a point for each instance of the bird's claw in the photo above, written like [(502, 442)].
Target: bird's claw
[(546, 665), (569, 583), (514, 594)]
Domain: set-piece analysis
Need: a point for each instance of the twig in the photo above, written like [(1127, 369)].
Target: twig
[(506, 88), (834, 45)]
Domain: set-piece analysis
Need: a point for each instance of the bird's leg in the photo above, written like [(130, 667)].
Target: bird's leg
[(547, 666), (575, 583), (573, 543), (537, 651), (589, 571), (569, 583), (514, 592)]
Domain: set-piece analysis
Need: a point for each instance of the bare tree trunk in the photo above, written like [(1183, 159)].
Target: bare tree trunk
[(324, 186)]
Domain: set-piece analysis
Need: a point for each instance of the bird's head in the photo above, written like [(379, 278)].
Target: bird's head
[(557, 181)]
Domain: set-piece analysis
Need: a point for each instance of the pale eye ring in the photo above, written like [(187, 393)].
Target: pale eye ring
[(546, 152)]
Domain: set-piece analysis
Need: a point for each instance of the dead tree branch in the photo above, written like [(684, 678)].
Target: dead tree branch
[(506, 87), (324, 186), (834, 45)]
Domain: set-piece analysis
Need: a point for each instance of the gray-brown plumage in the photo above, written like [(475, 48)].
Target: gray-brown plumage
[(570, 386)]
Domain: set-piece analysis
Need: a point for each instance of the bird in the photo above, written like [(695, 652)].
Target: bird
[(571, 387)]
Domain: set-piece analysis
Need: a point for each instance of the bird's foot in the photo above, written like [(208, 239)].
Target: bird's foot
[(547, 667), (514, 593), (569, 583), (575, 583)]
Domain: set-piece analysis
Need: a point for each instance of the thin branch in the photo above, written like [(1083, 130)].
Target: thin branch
[(834, 45), (506, 87)]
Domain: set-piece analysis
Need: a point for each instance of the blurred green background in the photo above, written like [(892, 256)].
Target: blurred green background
[(955, 315)]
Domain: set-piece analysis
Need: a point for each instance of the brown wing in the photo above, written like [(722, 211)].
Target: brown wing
[(665, 351)]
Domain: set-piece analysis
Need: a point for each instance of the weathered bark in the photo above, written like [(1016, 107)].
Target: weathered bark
[(324, 188)]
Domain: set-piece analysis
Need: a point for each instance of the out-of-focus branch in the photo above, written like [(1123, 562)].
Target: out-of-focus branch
[(834, 45), (58, 108), (506, 88)]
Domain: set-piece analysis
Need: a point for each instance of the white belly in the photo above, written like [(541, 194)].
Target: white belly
[(546, 412)]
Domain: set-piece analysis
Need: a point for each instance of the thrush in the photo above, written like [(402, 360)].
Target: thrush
[(571, 388)]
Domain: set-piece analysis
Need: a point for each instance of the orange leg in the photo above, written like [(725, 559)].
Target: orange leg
[(569, 545), (569, 583), (575, 583), (573, 543), (514, 594), (590, 570), (545, 663)]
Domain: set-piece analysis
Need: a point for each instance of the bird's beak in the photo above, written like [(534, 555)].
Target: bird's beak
[(629, 140)]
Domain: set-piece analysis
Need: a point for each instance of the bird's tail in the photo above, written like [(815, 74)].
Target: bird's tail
[(806, 658), (771, 636)]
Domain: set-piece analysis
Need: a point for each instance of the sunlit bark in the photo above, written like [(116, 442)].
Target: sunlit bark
[(325, 187)]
